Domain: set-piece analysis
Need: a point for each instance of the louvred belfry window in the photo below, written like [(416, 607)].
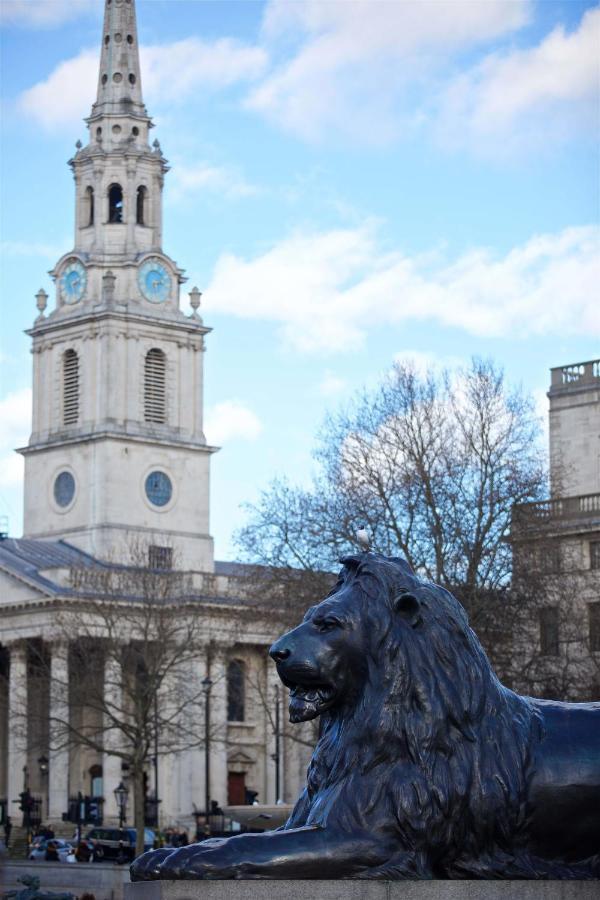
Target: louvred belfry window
[(155, 388), (70, 388)]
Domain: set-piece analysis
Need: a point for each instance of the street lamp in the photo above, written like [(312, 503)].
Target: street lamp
[(207, 684), (121, 794), (276, 757), (43, 764)]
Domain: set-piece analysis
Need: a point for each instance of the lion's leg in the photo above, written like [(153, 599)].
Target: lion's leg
[(309, 852)]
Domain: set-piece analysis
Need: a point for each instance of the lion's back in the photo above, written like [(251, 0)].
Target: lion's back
[(564, 793)]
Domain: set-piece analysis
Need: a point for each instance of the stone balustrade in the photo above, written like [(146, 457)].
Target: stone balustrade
[(575, 376)]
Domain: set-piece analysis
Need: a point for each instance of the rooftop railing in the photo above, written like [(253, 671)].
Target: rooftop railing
[(561, 508), (576, 375)]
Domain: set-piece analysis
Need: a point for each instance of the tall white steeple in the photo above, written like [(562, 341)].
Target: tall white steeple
[(119, 78), (117, 453)]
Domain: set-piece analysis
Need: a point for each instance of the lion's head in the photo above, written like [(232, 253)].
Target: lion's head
[(404, 688), (380, 632)]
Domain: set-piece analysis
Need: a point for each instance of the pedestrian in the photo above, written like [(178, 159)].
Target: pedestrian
[(7, 831)]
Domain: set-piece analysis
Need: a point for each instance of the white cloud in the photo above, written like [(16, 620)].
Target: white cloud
[(525, 96), (231, 420), (424, 362), (540, 399), (66, 95), (328, 289), (331, 384), (188, 180), (358, 60), (170, 73), (44, 13), (15, 426)]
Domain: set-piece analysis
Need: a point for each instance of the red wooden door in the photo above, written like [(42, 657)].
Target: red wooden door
[(236, 788)]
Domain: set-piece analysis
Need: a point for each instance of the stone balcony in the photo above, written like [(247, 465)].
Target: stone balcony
[(583, 510), (575, 377)]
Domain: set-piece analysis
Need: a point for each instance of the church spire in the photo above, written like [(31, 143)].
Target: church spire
[(119, 81)]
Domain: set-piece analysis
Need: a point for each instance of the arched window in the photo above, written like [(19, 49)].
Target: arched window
[(96, 781), (70, 388), (115, 203), (89, 206), (155, 387), (141, 205), (236, 691)]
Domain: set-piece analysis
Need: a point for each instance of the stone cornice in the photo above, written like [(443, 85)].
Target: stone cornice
[(185, 324), (125, 436)]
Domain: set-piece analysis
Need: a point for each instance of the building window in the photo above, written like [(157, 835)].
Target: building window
[(594, 613), (64, 489), (141, 205), (155, 387), (89, 206), (115, 203), (70, 388), (549, 631), (160, 557), (595, 555), (96, 781), (235, 691)]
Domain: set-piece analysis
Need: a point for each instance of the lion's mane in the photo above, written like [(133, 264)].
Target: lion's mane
[(452, 742)]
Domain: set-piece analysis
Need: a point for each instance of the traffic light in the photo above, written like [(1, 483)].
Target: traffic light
[(26, 801)]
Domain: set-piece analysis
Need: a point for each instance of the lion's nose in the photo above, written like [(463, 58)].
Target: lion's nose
[(279, 653)]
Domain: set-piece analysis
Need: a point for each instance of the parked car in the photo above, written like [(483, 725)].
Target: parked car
[(106, 841), (50, 849)]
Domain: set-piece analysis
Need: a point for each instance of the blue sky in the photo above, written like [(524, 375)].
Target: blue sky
[(352, 182)]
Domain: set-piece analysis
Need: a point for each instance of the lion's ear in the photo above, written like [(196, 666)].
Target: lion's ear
[(408, 606)]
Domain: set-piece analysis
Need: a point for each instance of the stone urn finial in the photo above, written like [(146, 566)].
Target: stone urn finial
[(41, 301), (195, 296)]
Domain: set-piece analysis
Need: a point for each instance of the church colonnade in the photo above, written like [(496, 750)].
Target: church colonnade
[(33, 695)]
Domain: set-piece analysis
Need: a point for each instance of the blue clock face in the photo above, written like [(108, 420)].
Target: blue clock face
[(159, 489), (73, 282), (154, 281)]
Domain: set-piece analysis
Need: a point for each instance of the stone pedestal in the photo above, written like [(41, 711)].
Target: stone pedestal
[(362, 890)]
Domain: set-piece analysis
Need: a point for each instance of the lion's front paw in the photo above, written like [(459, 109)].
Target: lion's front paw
[(145, 867), (196, 861)]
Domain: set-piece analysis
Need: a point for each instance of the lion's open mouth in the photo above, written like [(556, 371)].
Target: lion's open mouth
[(309, 700)]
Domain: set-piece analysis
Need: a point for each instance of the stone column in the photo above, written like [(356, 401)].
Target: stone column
[(17, 722), (191, 770), (58, 766), (113, 737), (218, 728), (273, 700)]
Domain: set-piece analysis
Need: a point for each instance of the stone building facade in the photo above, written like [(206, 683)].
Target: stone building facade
[(557, 547), (117, 464)]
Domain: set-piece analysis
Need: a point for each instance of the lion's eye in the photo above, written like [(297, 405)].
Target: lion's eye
[(327, 624)]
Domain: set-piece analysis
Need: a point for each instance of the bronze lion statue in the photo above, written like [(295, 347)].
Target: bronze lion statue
[(426, 766)]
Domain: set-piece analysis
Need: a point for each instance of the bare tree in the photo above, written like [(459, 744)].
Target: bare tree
[(133, 690), (431, 465)]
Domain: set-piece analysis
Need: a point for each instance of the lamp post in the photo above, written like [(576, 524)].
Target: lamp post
[(276, 757), (43, 763), (26, 803), (121, 794), (207, 684)]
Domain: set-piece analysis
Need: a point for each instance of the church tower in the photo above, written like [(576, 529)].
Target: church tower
[(117, 457)]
